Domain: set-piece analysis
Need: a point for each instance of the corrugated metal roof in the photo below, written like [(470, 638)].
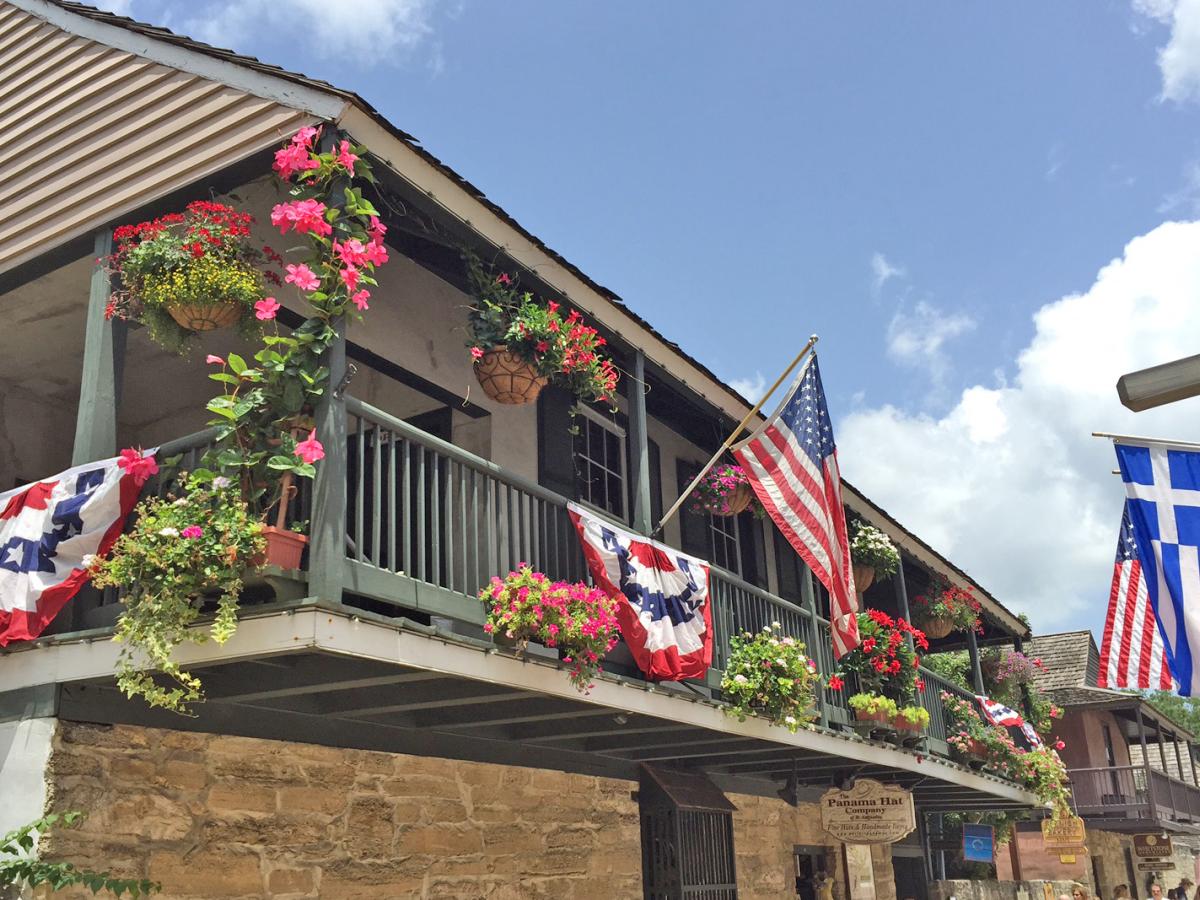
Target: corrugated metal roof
[(1000, 612)]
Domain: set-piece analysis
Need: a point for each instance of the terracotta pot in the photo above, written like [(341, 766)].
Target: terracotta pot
[(864, 577), (205, 316), (737, 502), (902, 724), (877, 718), (507, 378), (284, 548), (936, 628)]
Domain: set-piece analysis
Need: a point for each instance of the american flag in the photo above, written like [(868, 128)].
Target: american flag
[(791, 461), (1131, 654)]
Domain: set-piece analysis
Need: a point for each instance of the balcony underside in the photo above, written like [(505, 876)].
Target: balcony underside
[(1130, 824), (330, 674)]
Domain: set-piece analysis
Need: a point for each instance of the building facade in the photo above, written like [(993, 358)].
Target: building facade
[(362, 735), (1133, 773)]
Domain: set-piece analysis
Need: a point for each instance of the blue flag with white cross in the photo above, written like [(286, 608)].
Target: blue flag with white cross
[(1162, 482)]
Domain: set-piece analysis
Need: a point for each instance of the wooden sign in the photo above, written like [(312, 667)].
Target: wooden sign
[(869, 813), (1152, 846), (1156, 865), (1064, 836)]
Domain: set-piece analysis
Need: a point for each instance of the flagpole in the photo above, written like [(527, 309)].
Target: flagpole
[(1132, 438), (812, 342)]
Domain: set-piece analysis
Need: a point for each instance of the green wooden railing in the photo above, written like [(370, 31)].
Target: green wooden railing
[(428, 511)]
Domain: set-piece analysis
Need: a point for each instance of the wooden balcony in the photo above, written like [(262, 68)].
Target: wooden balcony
[(1135, 798)]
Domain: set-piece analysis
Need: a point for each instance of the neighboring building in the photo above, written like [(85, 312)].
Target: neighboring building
[(362, 736), (1133, 771)]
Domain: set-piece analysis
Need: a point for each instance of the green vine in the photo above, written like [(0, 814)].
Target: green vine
[(19, 868)]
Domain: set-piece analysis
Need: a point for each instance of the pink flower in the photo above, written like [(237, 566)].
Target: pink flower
[(352, 252), (1059, 745), (292, 159), (345, 158), (214, 360), (192, 531), (360, 299), (137, 465), (266, 308), (503, 278), (302, 277), (477, 352), (350, 276), (304, 137), (310, 450), (377, 230), (302, 215), (376, 254)]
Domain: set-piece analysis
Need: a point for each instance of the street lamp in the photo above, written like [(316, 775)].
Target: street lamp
[(1159, 385)]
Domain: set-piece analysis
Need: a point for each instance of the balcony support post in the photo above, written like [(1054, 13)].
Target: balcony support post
[(327, 556), (1178, 757), (639, 446), (902, 598), (973, 653), (103, 366), (1026, 699), (1141, 724)]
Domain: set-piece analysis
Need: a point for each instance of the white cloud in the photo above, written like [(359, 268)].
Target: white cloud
[(882, 272), (365, 32), (1187, 197), (751, 388), (120, 7), (1179, 60), (1009, 483), (918, 338)]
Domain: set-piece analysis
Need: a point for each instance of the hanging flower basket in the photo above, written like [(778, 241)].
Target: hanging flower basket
[(864, 577), (284, 548), (205, 316), (937, 628), (725, 491), (739, 500), (507, 378)]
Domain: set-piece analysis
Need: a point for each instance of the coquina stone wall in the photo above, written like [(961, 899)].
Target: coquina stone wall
[(213, 816)]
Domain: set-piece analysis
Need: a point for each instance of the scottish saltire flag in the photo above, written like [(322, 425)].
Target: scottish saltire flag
[(663, 608), (1131, 652), (1162, 483), (1022, 733), (47, 529), (791, 461)]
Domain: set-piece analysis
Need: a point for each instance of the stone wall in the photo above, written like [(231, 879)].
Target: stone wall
[(997, 890), (213, 816)]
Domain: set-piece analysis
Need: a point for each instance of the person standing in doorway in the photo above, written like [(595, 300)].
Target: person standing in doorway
[(823, 885)]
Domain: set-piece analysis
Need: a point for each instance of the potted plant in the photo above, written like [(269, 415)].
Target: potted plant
[(577, 620), (872, 554), (910, 722), (725, 491), (180, 549), (520, 344), (946, 608), (873, 712), (885, 664), (769, 675), (189, 272)]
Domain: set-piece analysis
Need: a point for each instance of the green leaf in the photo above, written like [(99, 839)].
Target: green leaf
[(236, 363), (223, 377), (282, 463)]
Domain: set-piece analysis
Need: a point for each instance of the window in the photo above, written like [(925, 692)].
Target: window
[(723, 539), (600, 462)]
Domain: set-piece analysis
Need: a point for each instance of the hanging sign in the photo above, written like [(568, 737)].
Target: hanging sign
[(1152, 846), (1064, 836), (869, 813), (1156, 865), (979, 843)]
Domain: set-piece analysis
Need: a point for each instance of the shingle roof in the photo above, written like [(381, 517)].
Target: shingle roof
[(1068, 657)]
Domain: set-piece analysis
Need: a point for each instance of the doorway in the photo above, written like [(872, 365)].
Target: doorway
[(811, 863)]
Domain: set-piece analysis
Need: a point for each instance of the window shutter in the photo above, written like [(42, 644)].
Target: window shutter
[(788, 567), (556, 446), (693, 528), (656, 493)]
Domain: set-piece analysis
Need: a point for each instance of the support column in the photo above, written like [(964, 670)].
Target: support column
[(902, 598), (1141, 724), (327, 556), (103, 363), (1178, 757), (639, 447), (1026, 699), (973, 653)]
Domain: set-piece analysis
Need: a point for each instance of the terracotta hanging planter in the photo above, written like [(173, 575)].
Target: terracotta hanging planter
[(737, 502), (205, 316), (937, 628), (864, 577), (507, 378)]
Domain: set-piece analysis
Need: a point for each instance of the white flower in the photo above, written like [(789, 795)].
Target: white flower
[(779, 661), (182, 501), (89, 560), (739, 679), (788, 641), (791, 720), (168, 532), (221, 482), (776, 625)]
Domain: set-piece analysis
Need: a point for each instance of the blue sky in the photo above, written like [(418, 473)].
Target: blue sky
[(913, 181)]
